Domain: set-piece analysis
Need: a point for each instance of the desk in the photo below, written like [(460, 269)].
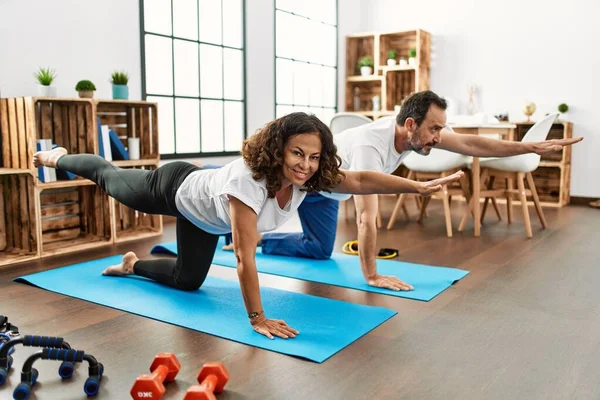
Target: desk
[(507, 131)]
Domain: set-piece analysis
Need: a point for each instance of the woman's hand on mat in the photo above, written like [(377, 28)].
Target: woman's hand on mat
[(430, 187), (388, 282), (273, 327)]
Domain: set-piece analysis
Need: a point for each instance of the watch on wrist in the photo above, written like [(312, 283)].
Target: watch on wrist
[(254, 314)]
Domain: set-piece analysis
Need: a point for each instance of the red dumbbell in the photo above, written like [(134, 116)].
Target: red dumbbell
[(164, 368), (212, 378)]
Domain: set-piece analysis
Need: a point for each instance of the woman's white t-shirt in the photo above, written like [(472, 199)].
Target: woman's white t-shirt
[(202, 198)]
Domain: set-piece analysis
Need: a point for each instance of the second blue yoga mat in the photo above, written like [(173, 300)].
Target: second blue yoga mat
[(343, 270), (326, 326)]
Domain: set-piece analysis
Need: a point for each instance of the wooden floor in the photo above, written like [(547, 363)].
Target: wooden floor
[(524, 324)]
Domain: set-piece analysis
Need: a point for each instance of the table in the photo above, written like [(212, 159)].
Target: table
[(507, 131)]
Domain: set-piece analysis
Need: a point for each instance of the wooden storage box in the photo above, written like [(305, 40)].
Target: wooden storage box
[(129, 224), (18, 226), (131, 119), (400, 84), (357, 47), (16, 133), (73, 218), (70, 123)]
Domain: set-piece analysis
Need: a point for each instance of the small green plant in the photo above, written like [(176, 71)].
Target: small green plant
[(412, 52), (366, 61), (392, 54), (45, 76), (563, 108), (85, 85), (119, 78)]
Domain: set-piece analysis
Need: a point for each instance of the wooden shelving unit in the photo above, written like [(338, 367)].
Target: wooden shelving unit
[(553, 177), (391, 83), (45, 219)]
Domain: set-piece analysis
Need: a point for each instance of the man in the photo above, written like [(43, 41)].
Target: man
[(381, 146)]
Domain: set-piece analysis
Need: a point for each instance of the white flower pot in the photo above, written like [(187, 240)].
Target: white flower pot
[(412, 61), (402, 62), (46, 91), (391, 62), (365, 71)]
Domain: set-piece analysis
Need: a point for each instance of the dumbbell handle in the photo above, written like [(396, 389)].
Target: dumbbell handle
[(210, 382), (160, 373)]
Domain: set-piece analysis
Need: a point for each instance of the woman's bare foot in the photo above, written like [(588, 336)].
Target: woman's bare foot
[(229, 247), (48, 158), (125, 268)]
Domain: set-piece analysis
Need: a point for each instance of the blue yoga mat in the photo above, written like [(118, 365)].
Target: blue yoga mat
[(343, 270), (326, 326)]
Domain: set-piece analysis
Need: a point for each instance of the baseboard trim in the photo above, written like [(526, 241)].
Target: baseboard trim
[(582, 200)]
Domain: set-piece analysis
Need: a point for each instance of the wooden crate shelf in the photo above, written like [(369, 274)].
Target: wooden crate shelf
[(18, 222), (391, 83), (73, 216), (40, 219), (16, 133), (132, 119)]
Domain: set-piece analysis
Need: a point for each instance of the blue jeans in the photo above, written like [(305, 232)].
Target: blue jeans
[(318, 216)]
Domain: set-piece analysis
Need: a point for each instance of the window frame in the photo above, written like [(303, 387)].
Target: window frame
[(143, 33), (275, 57)]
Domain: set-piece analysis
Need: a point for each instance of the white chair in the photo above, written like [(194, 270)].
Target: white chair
[(345, 120), (516, 168), (339, 123), (438, 164)]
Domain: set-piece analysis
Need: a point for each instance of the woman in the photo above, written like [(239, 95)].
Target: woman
[(283, 161)]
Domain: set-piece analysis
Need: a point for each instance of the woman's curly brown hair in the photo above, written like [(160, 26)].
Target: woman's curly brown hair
[(263, 152)]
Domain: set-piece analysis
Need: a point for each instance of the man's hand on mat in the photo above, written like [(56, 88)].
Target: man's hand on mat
[(388, 282), (270, 327), (430, 187)]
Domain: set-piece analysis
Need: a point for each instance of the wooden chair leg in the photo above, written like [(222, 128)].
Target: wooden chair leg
[(424, 204), (397, 207), (490, 186), (523, 198), (405, 211), (447, 215), (536, 200), (346, 209), (509, 185), (379, 222)]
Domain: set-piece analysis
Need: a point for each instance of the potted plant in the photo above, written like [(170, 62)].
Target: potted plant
[(120, 90), (563, 108), (391, 61), (402, 62), (86, 89), (45, 77), (412, 56), (366, 65)]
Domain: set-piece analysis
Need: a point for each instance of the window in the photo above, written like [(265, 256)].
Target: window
[(193, 67), (306, 57)]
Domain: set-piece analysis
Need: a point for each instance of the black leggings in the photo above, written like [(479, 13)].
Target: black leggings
[(153, 192)]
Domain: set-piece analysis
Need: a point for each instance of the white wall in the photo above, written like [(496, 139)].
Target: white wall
[(515, 50), (80, 39), (84, 39)]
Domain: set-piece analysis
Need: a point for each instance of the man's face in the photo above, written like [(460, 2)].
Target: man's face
[(427, 135)]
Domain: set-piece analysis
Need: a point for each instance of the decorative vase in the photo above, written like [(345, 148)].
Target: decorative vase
[(86, 94), (412, 61), (403, 62), (366, 71), (46, 91), (120, 92), (391, 62)]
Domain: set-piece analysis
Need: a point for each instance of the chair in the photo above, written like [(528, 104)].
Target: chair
[(339, 123), (516, 168), (438, 164)]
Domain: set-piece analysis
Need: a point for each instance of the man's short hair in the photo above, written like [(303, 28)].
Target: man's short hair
[(417, 105)]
